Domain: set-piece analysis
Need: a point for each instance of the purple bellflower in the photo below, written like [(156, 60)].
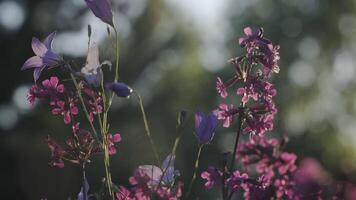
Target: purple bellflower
[(120, 89), (102, 10), (92, 70), (205, 126), (45, 57)]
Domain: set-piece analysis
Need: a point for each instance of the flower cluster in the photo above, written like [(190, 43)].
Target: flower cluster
[(256, 92), (78, 148)]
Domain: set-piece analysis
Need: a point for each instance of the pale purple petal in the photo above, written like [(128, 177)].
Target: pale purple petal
[(198, 119), (34, 61), (49, 40), (37, 72), (38, 47)]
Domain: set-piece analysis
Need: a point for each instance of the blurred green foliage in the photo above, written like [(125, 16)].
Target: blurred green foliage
[(172, 52)]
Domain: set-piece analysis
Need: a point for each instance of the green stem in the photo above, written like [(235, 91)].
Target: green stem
[(173, 152), (117, 55), (195, 170), (84, 107), (147, 129), (238, 132), (84, 182)]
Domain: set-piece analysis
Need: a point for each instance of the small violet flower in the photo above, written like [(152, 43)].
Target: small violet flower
[(120, 89), (102, 10), (205, 126), (45, 57)]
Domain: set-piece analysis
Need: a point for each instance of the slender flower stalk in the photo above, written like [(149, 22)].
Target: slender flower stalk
[(84, 107), (84, 182), (147, 128), (196, 167)]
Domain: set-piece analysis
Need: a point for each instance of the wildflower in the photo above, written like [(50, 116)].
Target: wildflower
[(67, 109), (220, 87), (45, 57), (51, 88), (92, 70), (212, 176), (120, 89), (33, 94), (205, 126), (57, 153), (102, 10), (260, 50), (112, 140), (156, 174), (226, 114), (236, 180)]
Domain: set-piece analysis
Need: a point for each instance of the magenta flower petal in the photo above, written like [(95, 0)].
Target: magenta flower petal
[(34, 61)]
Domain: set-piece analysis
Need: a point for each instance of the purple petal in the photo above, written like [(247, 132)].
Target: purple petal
[(198, 119), (38, 47), (50, 58), (34, 61), (49, 40), (101, 9), (37, 73)]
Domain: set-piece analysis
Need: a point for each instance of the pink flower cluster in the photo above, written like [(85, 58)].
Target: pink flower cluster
[(256, 92)]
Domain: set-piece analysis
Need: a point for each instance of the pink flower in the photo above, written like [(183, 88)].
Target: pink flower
[(112, 140), (67, 109), (226, 114), (52, 84), (57, 153), (33, 94), (236, 181), (220, 87), (212, 176)]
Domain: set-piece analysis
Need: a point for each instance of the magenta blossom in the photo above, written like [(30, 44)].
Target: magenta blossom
[(212, 176), (67, 109), (226, 114), (57, 153), (113, 139), (220, 87), (45, 57)]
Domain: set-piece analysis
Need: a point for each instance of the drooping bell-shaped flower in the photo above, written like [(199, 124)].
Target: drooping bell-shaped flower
[(205, 126), (92, 70), (102, 10), (120, 89), (45, 57)]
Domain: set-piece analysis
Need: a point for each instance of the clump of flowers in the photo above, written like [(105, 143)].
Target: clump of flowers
[(267, 171)]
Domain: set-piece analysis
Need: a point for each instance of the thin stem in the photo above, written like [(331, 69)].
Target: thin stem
[(238, 132), (173, 152), (84, 107), (84, 182), (196, 166), (147, 129), (117, 55)]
